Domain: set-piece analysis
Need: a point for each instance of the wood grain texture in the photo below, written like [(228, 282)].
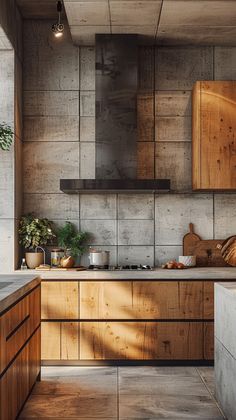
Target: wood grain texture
[(60, 300), (141, 341), (50, 340), (209, 340), (141, 300), (208, 299), (69, 340), (214, 151)]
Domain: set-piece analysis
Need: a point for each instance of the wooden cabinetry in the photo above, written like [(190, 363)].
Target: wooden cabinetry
[(139, 320), (20, 357), (213, 135)]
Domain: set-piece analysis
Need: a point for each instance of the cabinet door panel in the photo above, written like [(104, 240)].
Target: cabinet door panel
[(60, 300), (50, 340), (214, 129), (141, 340), (69, 340), (34, 357), (208, 310), (209, 340), (141, 300)]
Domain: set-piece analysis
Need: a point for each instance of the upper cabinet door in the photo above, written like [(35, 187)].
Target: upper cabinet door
[(214, 136)]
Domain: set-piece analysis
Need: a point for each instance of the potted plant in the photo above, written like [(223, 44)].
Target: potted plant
[(33, 234), (72, 242), (6, 136)]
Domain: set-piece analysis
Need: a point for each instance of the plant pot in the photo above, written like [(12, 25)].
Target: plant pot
[(34, 259)]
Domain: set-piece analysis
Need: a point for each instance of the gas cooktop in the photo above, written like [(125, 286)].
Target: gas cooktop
[(121, 267)]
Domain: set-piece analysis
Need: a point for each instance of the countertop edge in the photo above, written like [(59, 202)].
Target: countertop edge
[(14, 296)]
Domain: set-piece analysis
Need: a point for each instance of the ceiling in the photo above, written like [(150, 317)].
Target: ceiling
[(169, 22)]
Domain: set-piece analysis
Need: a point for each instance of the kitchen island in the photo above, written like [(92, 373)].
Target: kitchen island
[(105, 317), (19, 340), (225, 347)]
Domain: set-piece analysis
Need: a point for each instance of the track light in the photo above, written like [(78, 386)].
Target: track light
[(58, 28)]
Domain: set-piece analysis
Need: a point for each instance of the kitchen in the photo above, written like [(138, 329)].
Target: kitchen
[(114, 134)]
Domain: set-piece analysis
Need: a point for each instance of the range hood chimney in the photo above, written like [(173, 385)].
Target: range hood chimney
[(116, 121)]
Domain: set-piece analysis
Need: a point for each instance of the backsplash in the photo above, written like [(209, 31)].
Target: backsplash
[(59, 137)]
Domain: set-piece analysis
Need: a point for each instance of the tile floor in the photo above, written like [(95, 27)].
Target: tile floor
[(110, 393)]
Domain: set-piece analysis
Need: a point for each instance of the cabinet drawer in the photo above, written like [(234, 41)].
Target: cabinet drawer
[(141, 300), (141, 340), (60, 300), (60, 340), (17, 324)]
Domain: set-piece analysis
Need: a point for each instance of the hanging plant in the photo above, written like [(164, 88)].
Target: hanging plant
[(6, 136)]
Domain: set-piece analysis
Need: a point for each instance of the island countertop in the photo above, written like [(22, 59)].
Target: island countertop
[(196, 273), (13, 287)]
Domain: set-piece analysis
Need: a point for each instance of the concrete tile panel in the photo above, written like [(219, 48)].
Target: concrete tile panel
[(98, 206), (87, 129), (179, 68), (87, 104), (136, 255), (135, 232), (87, 68), (166, 253), (135, 206), (174, 213), (52, 206), (87, 13), (7, 244), (225, 215), (173, 103), (102, 232), (87, 160), (173, 161), (46, 162), (173, 129), (135, 12), (225, 63), (51, 103), (85, 35), (51, 128)]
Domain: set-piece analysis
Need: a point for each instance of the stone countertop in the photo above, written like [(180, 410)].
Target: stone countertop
[(18, 287), (197, 273)]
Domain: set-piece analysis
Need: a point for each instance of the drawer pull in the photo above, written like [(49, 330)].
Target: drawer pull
[(17, 327)]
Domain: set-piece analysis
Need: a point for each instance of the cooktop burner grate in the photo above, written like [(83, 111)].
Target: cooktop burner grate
[(121, 267)]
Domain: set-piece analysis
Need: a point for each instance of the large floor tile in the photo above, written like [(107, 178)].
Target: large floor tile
[(207, 375)]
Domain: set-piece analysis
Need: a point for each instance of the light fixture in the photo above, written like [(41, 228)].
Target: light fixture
[(58, 28)]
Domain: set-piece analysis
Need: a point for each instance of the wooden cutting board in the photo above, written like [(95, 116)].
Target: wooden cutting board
[(190, 240), (208, 255), (206, 251), (228, 250)]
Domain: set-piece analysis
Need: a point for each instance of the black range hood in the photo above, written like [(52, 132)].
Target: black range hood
[(116, 122), (75, 186)]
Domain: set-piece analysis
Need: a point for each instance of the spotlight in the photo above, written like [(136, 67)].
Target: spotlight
[(58, 28)]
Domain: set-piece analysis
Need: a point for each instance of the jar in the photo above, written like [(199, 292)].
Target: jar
[(56, 255)]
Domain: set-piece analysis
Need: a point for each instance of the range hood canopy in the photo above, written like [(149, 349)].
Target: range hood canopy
[(116, 157), (75, 186)]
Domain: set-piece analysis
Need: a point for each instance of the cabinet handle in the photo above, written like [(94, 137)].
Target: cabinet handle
[(17, 327)]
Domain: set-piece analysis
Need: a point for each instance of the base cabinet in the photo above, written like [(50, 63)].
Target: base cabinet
[(128, 320), (19, 353)]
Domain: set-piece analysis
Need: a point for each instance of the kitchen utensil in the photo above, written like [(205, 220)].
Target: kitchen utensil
[(188, 260), (56, 255), (99, 258), (190, 240), (227, 249), (207, 253)]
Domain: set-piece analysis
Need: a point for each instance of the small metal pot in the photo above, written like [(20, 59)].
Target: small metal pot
[(99, 258)]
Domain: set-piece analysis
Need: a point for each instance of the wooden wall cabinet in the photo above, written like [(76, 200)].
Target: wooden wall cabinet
[(20, 357), (213, 135)]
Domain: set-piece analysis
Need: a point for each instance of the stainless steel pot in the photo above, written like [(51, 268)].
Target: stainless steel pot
[(99, 258)]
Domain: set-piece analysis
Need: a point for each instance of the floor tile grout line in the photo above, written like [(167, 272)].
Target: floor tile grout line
[(211, 394)]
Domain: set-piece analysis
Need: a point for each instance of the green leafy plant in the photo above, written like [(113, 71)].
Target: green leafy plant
[(70, 238), (35, 232), (6, 136)]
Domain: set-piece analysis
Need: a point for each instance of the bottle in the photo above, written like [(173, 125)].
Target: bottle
[(23, 265)]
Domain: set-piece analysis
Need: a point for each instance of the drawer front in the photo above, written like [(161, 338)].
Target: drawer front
[(17, 324), (18, 380), (60, 300), (60, 341), (141, 300), (141, 340)]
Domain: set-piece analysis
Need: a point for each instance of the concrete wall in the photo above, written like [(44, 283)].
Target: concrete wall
[(10, 112), (59, 135)]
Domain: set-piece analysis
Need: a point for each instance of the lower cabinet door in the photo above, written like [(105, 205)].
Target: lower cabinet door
[(141, 340), (19, 378), (209, 340), (60, 341)]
